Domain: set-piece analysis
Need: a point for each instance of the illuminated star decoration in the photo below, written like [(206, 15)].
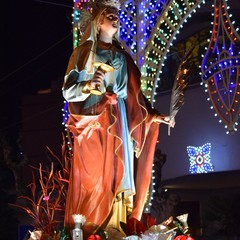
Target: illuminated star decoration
[(199, 158)]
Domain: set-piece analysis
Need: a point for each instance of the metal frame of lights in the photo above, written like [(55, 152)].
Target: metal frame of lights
[(221, 67), (167, 27)]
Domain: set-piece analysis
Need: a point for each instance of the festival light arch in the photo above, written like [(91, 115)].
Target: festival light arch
[(148, 30)]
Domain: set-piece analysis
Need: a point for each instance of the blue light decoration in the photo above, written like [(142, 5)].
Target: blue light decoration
[(65, 112), (200, 159), (137, 23), (221, 67)]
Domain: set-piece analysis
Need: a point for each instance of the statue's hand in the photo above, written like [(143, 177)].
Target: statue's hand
[(97, 79), (161, 118)]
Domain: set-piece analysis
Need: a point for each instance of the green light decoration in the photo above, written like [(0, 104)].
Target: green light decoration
[(167, 27)]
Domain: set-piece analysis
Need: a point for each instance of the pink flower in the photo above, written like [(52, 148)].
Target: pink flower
[(46, 198)]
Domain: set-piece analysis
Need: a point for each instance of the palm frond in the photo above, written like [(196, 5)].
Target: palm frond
[(179, 86)]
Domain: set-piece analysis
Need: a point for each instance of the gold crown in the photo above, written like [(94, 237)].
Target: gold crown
[(108, 3), (91, 8)]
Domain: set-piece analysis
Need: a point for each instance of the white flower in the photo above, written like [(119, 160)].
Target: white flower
[(35, 235), (78, 218)]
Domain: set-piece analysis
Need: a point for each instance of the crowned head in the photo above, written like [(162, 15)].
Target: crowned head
[(92, 11), (98, 6)]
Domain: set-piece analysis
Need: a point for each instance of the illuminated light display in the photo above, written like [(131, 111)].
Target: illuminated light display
[(148, 30), (200, 159), (168, 25), (221, 67), (65, 112)]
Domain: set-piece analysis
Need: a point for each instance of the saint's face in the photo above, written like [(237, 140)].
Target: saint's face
[(110, 21)]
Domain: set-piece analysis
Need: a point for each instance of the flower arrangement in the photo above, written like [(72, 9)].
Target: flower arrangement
[(165, 231), (46, 206), (46, 203), (171, 229)]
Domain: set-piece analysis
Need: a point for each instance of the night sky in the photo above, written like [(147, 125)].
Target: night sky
[(36, 44)]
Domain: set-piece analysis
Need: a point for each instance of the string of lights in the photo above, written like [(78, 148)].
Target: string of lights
[(221, 67)]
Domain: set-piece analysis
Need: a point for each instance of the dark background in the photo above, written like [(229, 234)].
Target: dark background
[(37, 42), (35, 45)]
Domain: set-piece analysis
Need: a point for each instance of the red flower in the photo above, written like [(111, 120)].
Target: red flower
[(94, 237), (183, 237), (148, 220), (134, 227)]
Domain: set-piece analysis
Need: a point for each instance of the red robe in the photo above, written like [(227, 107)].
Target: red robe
[(97, 164)]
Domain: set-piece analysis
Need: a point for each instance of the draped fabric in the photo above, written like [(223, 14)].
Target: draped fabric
[(107, 140)]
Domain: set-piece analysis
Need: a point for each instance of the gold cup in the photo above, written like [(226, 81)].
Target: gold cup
[(104, 68)]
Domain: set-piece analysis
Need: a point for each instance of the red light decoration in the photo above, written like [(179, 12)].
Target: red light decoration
[(221, 67)]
